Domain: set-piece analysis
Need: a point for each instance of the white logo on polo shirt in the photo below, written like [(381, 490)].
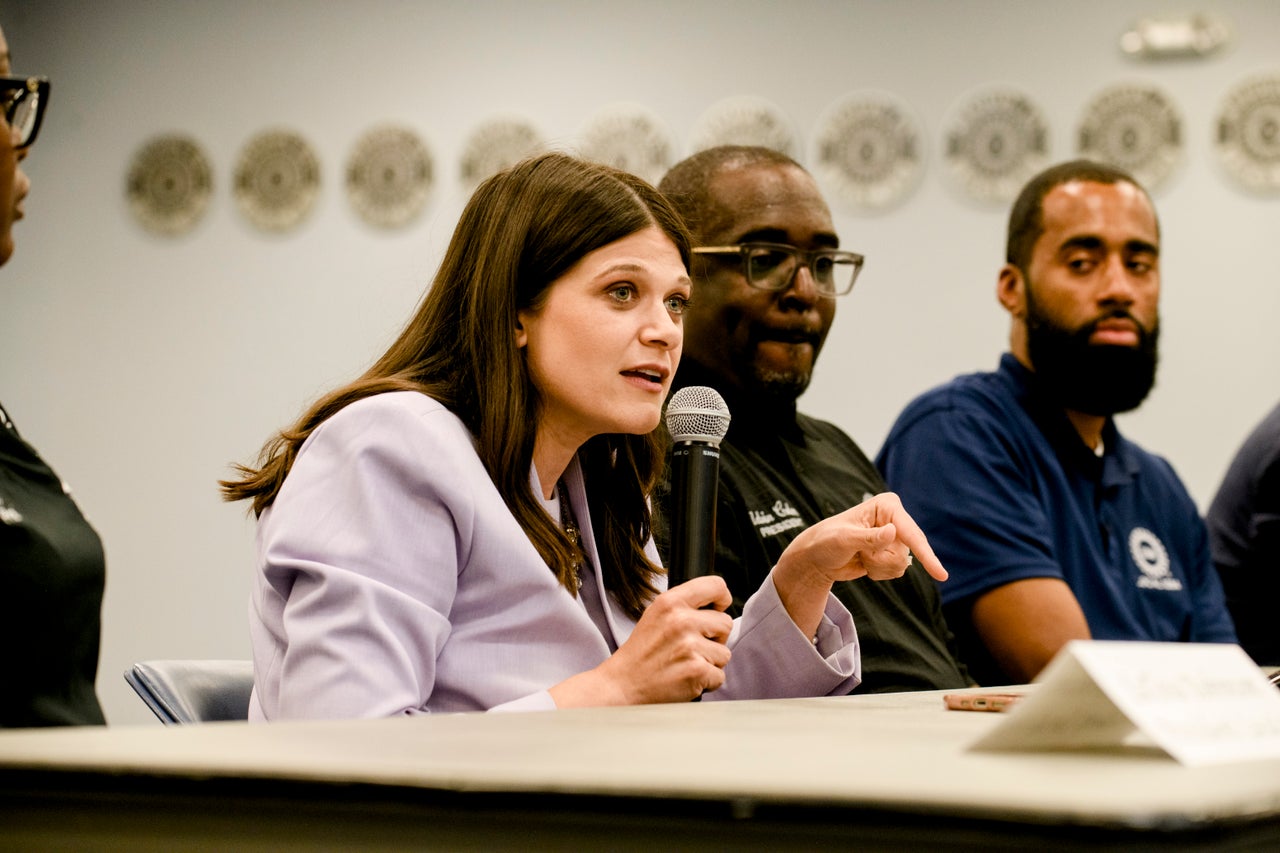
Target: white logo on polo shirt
[(1151, 558)]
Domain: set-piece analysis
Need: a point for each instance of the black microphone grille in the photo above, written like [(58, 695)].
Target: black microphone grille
[(697, 413)]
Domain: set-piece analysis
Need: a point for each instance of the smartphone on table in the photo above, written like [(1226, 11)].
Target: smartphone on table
[(981, 701)]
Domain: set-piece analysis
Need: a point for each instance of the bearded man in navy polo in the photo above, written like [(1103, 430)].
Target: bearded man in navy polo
[(1052, 524)]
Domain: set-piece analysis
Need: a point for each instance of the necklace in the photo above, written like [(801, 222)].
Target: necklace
[(570, 526)]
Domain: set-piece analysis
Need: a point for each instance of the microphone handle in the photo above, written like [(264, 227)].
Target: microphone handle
[(695, 468)]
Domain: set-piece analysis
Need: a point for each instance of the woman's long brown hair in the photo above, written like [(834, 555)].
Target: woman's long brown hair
[(522, 229)]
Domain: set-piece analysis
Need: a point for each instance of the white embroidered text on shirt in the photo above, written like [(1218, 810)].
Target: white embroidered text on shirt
[(780, 517)]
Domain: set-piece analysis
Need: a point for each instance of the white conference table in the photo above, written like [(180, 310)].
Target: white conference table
[(886, 771)]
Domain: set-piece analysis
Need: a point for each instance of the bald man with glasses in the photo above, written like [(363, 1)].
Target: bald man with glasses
[(768, 271)]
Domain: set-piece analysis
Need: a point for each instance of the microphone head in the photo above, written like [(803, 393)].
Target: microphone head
[(697, 413)]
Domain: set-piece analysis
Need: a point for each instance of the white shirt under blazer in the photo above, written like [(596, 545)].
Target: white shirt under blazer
[(392, 579)]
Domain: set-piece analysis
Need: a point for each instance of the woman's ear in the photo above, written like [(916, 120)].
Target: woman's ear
[(522, 337)]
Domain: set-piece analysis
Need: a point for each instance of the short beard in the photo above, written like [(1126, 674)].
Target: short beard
[(782, 385), (1096, 379)]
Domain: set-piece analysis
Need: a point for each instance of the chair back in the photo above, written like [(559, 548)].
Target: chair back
[(194, 691)]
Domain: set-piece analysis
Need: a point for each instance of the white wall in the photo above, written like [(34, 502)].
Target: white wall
[(142, 366)]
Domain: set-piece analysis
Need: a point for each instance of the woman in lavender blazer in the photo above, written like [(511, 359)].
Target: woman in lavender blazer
[(466, 526)]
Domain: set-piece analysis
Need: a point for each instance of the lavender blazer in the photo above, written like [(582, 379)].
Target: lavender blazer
[(392, 579)]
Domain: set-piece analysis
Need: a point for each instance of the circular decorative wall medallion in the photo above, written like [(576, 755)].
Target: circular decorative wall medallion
[(1135, 128), (277, 179), (745, 120), (629, 138), (169, 184), (996, 141), (388, 176), (1248, 133), (497, 145), (869, 150)]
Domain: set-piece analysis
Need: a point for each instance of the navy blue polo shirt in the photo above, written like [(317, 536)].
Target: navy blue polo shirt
[(1005, 489)]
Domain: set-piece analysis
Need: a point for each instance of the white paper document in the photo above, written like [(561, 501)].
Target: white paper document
[(1200, 703)]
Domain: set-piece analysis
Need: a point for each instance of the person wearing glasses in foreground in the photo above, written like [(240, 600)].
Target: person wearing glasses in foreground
[(52, 568), (768, 273), (466, 526)]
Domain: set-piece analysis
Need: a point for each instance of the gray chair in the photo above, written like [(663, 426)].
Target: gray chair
[(194, 691)]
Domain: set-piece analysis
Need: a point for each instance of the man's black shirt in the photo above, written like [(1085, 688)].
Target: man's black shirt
[(780, 472)]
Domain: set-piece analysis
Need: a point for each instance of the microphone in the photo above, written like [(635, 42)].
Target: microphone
[(697, 419)]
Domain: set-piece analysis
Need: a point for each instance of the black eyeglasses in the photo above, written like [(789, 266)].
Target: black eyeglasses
[(772, 266), (24, 100)]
